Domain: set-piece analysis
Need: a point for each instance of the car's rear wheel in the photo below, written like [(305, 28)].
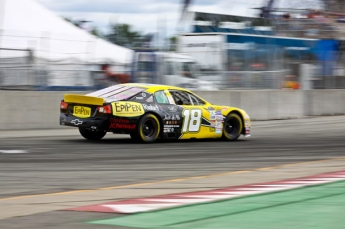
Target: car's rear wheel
[(148, 129), (232, 127), (92, 134)]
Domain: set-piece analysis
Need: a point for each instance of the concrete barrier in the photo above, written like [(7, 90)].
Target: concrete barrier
[(325, 102), (261, 104), (40, 110), (29, 110)]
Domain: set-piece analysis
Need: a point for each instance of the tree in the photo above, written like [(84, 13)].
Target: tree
[(172, 43), (123, 35), (94, 31)]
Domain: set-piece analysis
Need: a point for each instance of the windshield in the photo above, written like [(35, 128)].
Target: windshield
[(117, 92)]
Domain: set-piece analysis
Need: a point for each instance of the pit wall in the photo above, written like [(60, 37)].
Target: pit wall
[(40, 110)]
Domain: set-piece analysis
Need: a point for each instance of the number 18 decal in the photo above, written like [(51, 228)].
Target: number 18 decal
[(191, 120)]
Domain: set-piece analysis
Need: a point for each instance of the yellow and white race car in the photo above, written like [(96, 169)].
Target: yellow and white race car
[(148, 112)]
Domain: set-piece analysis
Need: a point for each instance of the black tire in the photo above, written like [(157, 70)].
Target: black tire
[(92, 134), (148, 129), (232, 128)]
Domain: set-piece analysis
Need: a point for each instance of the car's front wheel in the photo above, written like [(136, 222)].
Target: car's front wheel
[(148, 129), (233, 127), (92, 134)]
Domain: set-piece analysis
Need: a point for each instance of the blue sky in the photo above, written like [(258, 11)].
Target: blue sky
[(147, 16)]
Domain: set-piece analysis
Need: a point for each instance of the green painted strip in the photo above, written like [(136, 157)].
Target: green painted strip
[(320, 206)]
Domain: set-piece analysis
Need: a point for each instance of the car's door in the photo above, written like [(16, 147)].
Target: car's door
[(198, 116), (170, 114)]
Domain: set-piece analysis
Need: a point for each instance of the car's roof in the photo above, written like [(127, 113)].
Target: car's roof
[(154, 87)]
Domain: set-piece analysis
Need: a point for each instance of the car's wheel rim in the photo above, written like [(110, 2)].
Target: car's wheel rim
[(149, 128), (232, 126)]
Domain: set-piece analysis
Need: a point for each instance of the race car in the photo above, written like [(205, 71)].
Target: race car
[(147, 112)]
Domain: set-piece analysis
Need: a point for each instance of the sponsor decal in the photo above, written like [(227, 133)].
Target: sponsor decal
[(142, 96), (171, 126), (171, 122), (247, 130), (172, 109), (168, 130), (219, 117), (119, 120), (119, 123), (219, 125), (218, 112), (82, 112), (172, 117), (212, 129), (219, 131), (122, 126), (213, 123), (127, 109), (151, 107), (77, 122), (224, 108)]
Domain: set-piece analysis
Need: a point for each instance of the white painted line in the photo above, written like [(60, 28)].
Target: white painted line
[(274, 185), (214, 197), (133, 208), (180, 200), (266, 189), (13, 151), (241, 193), (305, 182)]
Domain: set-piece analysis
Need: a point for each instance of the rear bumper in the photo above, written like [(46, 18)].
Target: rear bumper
[(92, 123)]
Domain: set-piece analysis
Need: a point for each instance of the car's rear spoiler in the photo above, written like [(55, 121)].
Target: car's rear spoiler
[(83, 99)]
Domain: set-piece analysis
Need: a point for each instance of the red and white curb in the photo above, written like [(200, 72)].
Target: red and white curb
[(174, 200)]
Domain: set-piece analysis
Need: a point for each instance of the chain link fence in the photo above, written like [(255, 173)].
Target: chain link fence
[(264, 72), (29, 73)]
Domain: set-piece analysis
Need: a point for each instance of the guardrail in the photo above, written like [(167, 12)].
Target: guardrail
[(40, 110)]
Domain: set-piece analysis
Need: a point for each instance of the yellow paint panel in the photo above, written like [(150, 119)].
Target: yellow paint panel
[(83, 99), (204, 132), (127, 109)]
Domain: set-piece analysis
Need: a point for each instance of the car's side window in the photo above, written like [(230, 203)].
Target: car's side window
[(181, 98), (161, 97), (196, 101)]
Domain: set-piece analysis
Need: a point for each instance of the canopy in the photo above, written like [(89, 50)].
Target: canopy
[(27, 25)]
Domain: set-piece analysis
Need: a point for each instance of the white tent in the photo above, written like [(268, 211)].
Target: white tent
[(25, 24)]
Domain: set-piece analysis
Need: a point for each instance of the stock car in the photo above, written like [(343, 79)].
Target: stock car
[(147, 112)]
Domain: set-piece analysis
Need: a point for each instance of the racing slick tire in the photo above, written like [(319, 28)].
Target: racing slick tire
[(91, 134), (232, 127), (148, 129)]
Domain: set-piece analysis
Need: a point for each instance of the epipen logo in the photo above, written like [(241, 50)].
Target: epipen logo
[(77, 122), (127, 109)]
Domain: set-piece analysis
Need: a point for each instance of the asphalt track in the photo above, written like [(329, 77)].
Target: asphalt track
[(67, 163)]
